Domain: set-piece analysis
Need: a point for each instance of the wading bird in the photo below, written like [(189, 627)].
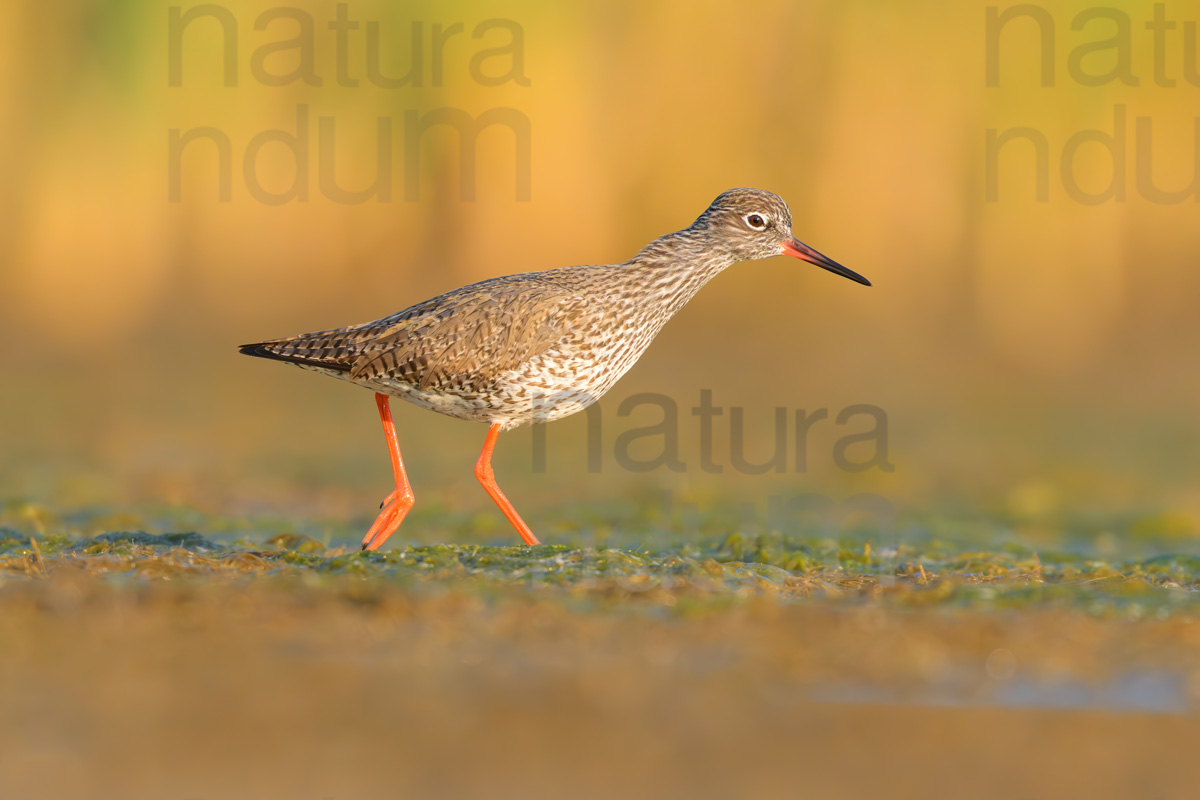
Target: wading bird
[(537, 346)]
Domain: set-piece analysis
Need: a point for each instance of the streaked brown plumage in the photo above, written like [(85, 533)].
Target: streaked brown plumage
[(539, 346)]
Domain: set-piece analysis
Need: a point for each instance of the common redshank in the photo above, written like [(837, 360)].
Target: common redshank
[(537, 346)]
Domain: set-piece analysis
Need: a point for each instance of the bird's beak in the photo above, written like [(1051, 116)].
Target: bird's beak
[(795, 247)]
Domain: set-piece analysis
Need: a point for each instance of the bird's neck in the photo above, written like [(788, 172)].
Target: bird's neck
[(671, 269)]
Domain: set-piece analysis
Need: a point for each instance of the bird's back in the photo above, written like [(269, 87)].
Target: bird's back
[(460, 342)]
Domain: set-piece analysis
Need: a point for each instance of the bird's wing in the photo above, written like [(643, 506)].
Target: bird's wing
[(468, 336)]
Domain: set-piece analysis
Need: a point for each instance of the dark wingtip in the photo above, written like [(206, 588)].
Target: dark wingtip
[(257, 349), (263, 350)]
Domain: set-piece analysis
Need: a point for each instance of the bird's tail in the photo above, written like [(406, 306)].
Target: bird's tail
[(332, 350)]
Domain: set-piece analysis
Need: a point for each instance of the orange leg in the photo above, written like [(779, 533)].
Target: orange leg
[(483, 471), (397, 504)]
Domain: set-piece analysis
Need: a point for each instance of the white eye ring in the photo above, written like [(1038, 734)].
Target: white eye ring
[(757, 222)]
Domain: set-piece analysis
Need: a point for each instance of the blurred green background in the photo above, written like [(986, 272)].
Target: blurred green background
[(1035, 360)]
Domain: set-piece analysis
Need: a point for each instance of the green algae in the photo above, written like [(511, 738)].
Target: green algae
[(734, 568)]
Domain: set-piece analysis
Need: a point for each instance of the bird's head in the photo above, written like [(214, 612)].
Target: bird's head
[(751, 224)]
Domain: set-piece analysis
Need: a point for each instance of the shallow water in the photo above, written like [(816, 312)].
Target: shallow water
[(1150, 691), (135, 665)]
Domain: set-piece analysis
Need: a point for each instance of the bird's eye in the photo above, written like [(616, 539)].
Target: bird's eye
[(756, 221)]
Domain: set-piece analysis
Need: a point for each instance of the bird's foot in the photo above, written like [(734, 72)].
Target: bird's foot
[(395, 507)]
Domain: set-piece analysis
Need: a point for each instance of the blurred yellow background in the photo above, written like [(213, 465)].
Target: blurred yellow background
[(1031, 357)]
